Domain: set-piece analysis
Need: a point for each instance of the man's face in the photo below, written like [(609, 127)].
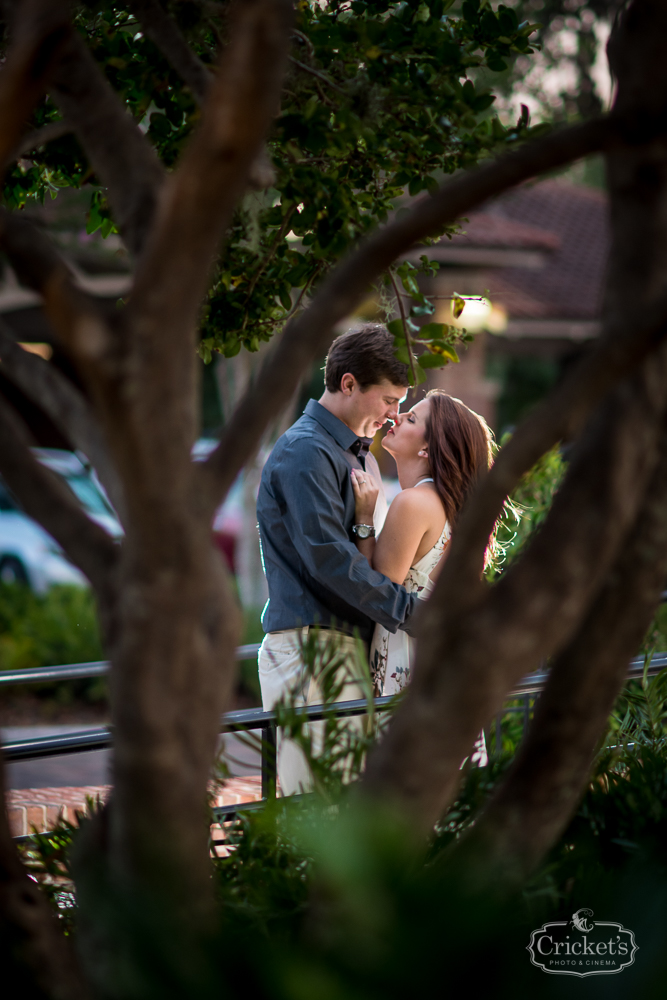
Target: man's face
[(372, 408)]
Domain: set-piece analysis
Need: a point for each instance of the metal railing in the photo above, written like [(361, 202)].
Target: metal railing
[(254, 719)]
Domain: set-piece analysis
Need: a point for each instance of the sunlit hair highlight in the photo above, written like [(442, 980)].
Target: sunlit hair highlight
[(460, 449)]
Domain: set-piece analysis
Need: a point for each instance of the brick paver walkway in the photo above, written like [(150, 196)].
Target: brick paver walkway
[(39, 808)]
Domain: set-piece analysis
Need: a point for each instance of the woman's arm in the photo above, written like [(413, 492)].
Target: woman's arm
[(409, 518)]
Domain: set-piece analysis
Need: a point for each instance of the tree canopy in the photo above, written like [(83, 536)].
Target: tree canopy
[(379, 103)]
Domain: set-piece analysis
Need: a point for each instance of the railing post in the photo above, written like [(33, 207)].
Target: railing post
[(269, 761)]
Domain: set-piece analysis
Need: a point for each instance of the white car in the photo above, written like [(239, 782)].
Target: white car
[(28, 554)]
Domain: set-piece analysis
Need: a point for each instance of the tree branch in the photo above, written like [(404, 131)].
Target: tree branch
[(200, 197), (40, 137), (164, 33), (466, 664), (120, 155), (40, 36), (29, 929), (202, 194), (75, 316), (471, 649), (535, 801), (406, 331), (67, 407), (309, 335), (317, 73), (44, 497)]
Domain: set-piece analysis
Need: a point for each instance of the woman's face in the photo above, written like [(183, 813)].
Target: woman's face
[(408, 435)]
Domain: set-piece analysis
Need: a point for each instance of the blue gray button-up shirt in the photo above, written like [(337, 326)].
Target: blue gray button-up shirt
[(305, 511)]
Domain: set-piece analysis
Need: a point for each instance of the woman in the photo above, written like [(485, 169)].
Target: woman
[(440, 447)]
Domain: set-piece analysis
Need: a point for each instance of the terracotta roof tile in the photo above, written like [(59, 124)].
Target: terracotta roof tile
[(570, 286), (486, 230)]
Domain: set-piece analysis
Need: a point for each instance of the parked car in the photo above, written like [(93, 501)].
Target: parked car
[(28, 554)]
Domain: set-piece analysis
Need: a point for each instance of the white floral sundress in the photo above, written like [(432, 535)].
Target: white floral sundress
[(392, 653)]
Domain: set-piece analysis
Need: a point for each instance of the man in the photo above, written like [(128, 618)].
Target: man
[(315, 573)]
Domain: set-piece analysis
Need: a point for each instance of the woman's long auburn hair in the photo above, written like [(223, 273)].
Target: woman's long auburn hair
[(460, 449)]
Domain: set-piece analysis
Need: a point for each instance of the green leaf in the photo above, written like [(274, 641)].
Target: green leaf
[(496, 62), (410, 285), (432, 330), (458, 305), (420, 373), (428, 360), (428, 266), (396, 327), (427, 309), (445, 351), (483, 102)]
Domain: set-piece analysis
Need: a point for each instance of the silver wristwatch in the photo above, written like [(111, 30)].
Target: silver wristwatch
[(363, 530)]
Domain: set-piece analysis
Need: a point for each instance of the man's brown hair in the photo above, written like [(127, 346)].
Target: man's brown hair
[(368, 354)]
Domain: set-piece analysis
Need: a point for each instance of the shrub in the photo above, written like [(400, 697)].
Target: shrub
[(38, 630)]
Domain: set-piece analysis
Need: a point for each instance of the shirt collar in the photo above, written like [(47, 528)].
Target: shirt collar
[(339, 431)]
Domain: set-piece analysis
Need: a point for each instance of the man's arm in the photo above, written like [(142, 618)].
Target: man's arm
[(315, 515)]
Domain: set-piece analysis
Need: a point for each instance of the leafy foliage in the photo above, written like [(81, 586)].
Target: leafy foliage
[(570, 37), (378, 103), (529, 506)]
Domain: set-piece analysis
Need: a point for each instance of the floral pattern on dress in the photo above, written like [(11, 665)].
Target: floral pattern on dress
[(392, 652)]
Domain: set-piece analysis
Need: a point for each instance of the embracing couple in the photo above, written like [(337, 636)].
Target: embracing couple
[(335, 558)]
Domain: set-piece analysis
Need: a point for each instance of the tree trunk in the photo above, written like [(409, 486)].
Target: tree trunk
[(468, 659), (549, 774)]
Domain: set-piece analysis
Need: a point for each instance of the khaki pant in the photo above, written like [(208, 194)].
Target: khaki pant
[(283, 672)]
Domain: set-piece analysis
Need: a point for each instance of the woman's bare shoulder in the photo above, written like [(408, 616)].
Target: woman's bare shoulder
[(416, 500)]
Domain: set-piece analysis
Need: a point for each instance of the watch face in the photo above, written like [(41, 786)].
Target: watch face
[(362, 530)]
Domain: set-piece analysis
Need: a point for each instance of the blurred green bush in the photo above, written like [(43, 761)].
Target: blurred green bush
[(39, 630), (43, 630)]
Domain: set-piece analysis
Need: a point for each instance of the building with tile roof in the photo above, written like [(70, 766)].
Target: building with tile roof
[(539, 253)]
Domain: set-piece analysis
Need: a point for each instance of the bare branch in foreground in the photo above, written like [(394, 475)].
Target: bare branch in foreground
[(197, 206), (474, 641), (466, 664), (535, 801), (29, 929), (67, 407), (200, 197), (307, 336), (74, 315), (40, 35), (41, 137), (164, 33), (120, 155), (44, 497)]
